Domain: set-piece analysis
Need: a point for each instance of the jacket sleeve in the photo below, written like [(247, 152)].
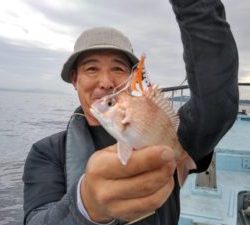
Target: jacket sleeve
[(211, 61), (46, 201), (62, 212)]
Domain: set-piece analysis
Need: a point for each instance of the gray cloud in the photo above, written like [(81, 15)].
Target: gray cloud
[(25, 66), (150, 25), (238, 17)]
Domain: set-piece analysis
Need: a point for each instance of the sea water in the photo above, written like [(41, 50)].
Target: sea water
[(24, 119)]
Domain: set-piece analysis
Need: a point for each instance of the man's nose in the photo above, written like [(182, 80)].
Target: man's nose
[(106, 81)]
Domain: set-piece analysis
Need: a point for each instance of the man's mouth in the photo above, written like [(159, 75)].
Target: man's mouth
[(101, 95)]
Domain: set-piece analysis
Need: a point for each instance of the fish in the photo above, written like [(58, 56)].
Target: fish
[(140, 121)]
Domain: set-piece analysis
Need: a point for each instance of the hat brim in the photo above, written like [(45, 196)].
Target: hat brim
[(68, 65)]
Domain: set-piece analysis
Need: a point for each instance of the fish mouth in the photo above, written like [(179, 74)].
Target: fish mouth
[(95, 107), (99, 105), (98, 115), (100, 99), (94, 111)]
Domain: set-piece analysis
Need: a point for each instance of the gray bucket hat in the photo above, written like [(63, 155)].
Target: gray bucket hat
[(95, 39)]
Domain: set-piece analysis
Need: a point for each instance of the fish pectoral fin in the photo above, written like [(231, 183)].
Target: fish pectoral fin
[(124, 152), (127, 117), (184, 164)]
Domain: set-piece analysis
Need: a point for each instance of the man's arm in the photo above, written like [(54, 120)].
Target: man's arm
[(211, 59), (62, 212), (110, 190), (45, 197)]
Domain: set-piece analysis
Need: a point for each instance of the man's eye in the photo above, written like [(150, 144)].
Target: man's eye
[(117, 69), (120, 69), (91, 69)]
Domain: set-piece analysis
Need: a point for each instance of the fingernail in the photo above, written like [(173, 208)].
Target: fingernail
[(165, 155)]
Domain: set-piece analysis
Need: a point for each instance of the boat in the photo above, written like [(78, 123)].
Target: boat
[(220, 195), (226, 201)]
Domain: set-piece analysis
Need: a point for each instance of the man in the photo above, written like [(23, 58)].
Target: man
[(75, 177)]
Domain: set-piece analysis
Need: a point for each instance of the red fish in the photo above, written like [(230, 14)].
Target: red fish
[(140, 121)]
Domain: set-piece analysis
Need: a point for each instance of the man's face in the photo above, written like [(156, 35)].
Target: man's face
[(97, 74)]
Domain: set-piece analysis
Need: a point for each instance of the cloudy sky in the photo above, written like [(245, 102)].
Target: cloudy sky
[(36, 37)]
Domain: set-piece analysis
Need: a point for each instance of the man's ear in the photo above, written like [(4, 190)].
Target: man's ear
[(74, 78)]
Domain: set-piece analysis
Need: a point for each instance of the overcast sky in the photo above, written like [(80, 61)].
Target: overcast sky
[(36, 37)]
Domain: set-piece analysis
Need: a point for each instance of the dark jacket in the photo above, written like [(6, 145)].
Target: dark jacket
[(55, 163)]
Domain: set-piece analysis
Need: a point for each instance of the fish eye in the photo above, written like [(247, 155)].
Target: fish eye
[(111, 102)]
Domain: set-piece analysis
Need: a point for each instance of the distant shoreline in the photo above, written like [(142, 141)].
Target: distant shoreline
[(34, 91)]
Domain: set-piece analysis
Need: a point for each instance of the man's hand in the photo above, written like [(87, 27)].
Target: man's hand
[(110, 190)]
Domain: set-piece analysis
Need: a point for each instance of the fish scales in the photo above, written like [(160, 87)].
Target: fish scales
[(140, 121)]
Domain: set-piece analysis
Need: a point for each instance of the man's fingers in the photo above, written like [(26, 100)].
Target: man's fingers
[(140, 185), (141, 161), (128, 191), (133, 208)]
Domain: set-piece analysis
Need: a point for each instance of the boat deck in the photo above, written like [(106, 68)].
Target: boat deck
[(208, 206)]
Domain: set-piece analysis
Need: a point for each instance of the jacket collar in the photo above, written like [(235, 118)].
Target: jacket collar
[(79, 147)]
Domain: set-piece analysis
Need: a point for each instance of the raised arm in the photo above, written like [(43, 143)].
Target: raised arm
[(211, 59)]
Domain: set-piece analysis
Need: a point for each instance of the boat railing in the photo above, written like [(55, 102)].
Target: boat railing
[(179, 95)]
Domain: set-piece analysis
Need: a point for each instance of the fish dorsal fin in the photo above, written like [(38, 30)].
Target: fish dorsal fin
[(155, 94)]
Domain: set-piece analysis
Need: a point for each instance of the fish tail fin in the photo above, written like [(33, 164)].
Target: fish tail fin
[(184, 164)]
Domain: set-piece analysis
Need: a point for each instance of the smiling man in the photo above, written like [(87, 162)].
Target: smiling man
[(96, 74), (75, 176)]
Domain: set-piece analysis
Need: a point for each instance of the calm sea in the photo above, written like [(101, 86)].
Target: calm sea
[(26, 118)]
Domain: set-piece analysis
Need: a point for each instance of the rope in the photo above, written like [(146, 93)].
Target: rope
[(79, 114)]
